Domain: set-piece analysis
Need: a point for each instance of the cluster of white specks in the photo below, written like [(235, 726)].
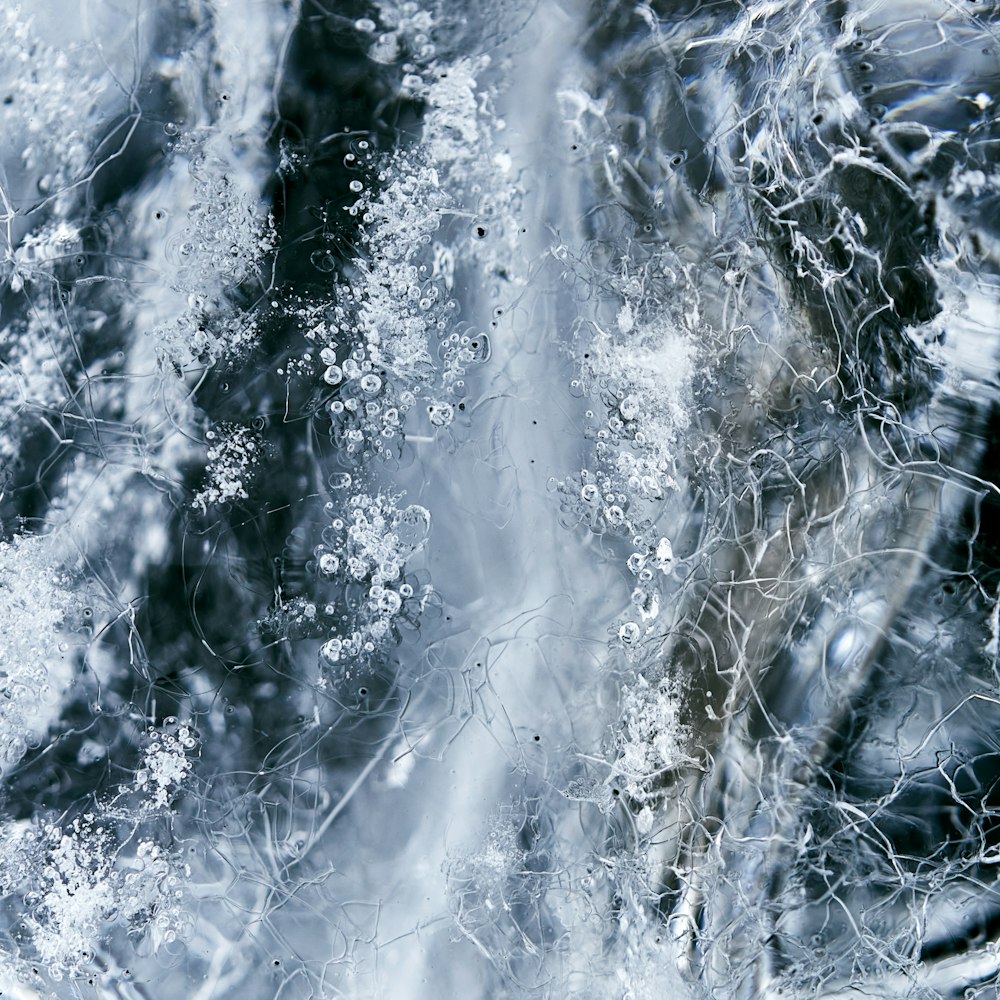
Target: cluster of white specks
[(43, 81), (388, 341), (38, 251), (641, 373), (166, 763), (223, 244), (644, 373), (207, 331), (38, 605), (226, 233), (72, 881), (408, 29), (652, 739), (234, 453), (415, 223), (484, 884), (454, 131), (72, 871), (370, 549), (33, 386)]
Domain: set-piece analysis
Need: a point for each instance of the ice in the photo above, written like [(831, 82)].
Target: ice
[(499, 500)]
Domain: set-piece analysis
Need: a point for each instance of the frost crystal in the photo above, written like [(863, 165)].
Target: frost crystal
[(367, 555), (233, 456), (165, 764), (653, 739), (35, 659), (41, 82), (74, 881)]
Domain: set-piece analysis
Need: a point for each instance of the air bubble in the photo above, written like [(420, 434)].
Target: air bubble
[(412, 526), (371, 383), (331, 650), (441, 414), (389, 602), (340, 481), (333, 375), (356, 186), (629, 633), (323, 260), (664, 554), (629, 408), (479, 348)]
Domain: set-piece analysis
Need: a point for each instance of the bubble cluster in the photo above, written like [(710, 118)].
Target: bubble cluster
[(166, 762), (222, 244), (365, 592), (69, 880), (40, 611), (652, 741), (233, 455)]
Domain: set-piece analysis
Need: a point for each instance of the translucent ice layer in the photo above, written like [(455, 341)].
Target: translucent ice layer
[(497, 499)]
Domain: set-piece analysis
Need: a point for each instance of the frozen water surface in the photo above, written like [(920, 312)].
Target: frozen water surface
[(499, 499)]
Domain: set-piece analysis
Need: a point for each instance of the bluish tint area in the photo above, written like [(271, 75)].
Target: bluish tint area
[(499, 500)]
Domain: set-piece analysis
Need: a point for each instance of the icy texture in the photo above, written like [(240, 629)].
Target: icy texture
[(498, 499)]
